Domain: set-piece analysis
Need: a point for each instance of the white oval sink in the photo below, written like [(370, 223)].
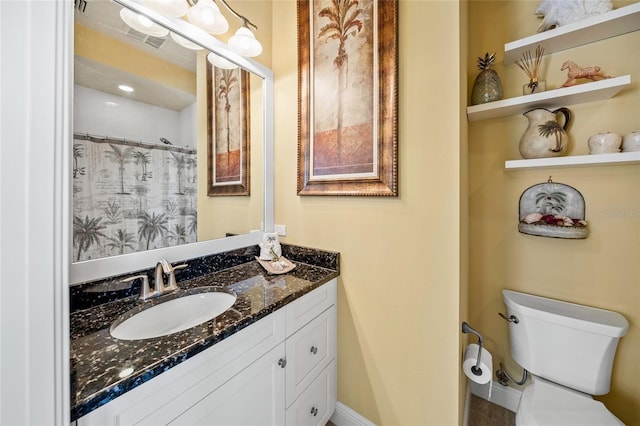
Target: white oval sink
[(194, 308)]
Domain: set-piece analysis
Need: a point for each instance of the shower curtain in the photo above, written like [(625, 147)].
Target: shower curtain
[(131, 196)]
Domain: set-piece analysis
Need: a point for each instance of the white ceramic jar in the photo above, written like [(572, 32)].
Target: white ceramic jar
[(631, 142), (604, 143)]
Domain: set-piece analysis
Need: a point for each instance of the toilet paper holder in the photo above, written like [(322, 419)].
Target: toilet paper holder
[(466, 328)]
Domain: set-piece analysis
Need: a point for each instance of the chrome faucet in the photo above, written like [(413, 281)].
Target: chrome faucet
[(159, 288), (164, 267)]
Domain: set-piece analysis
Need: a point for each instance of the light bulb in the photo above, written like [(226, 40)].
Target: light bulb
[(206, 15), (175, 8), (245, 43), (142, 23), (220, 62)]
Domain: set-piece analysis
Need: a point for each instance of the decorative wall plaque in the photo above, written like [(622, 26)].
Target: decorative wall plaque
[(554, 210)]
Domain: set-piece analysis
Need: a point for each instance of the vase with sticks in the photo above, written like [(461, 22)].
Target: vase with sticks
[(531, 67)]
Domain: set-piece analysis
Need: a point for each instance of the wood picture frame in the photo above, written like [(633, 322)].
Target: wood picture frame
[(228, 134), (347, 136)]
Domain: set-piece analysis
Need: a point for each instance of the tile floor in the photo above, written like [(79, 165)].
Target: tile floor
[(485, 413)]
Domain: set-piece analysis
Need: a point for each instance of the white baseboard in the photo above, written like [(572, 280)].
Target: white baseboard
[(504, 396), (345, 416)]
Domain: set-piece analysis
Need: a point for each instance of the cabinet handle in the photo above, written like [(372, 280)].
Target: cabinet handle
[(314, 411), (282, 362), (314, 350)]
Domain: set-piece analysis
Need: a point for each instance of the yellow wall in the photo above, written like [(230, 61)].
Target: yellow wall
[(602, 270), (399, 289)]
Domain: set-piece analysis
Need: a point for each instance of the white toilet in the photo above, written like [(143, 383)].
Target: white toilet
[(568, 349)]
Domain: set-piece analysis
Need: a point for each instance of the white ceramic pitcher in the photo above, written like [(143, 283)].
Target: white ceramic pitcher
[(544, 136)]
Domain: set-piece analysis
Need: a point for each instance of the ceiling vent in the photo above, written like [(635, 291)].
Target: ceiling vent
[(152, 41)]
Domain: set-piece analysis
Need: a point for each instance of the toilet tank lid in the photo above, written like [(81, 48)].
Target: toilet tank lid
[(581, 317)]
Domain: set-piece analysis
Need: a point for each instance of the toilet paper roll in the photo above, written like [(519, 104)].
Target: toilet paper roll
[(469, 361)]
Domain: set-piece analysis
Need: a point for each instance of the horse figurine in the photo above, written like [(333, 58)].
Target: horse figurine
[(575, 72)]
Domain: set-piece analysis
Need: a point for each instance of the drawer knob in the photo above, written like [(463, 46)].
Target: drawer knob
[(282, 362), (314, 411), (314, 350)]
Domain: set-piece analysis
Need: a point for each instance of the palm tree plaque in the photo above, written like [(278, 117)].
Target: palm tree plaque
[(553, 209), (228, 170), (347, 86)]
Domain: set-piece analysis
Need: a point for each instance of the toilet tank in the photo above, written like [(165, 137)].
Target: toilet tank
[(572, 345)]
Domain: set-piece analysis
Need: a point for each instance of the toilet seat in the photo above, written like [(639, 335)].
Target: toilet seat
[(544, 403)]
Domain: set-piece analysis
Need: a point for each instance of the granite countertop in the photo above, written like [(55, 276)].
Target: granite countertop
[(98, 360)]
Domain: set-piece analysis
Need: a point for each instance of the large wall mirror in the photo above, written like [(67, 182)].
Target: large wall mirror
[(153, 114)]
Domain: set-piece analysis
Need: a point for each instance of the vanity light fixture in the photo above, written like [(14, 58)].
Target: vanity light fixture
[(206, 15), (142, 24), (245, 43)]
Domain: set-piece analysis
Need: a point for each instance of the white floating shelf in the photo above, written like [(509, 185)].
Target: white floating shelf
[(614, 23), (617, 158), (565, 96)]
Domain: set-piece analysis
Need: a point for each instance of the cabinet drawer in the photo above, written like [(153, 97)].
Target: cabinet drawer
[(316, 404), (303, 310), (309, 351)]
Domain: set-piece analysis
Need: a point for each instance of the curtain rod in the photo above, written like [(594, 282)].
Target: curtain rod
[(128, 142)]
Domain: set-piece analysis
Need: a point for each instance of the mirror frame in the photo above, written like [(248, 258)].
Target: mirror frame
[(90, 270)]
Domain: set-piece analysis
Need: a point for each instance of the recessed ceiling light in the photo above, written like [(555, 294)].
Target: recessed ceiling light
[(125, 88)]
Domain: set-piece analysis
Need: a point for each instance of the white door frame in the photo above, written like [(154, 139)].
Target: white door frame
[(35, 45)]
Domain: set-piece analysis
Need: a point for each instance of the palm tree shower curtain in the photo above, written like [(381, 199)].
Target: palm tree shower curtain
[(131, 196)]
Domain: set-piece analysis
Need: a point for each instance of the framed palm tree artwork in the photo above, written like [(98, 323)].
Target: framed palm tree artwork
[(228, 131), (347, 97)]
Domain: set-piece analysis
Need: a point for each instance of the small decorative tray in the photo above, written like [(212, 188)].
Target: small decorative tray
[(281, 266)]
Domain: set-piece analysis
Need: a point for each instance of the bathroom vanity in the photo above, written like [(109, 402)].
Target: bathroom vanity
[(269, 359)]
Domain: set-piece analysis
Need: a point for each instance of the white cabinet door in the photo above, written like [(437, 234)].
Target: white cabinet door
[(315, 406), (253, 397)]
